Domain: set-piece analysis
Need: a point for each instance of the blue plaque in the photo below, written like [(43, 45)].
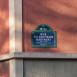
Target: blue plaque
[(43, 36)]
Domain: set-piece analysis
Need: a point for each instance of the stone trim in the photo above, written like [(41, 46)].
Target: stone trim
[(19, 55), (16, 68), (15, 37), (15, 25)]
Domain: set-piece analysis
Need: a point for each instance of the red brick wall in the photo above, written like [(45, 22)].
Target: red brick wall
[(4, 69), (4, 26), (60, 15)]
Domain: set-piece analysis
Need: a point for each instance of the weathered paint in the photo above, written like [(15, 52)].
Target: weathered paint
[(50, 68), (60, 15), (4, 26), (4, 69)]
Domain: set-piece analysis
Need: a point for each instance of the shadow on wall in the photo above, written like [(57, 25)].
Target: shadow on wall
[(4, 69), (4, 26), (60, 15)]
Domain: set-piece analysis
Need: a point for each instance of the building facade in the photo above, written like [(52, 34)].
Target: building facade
[(18, 18)]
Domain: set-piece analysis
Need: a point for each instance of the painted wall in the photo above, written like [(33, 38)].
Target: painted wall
[(4, 69), (50, 68), (60, 15), (4, 26)]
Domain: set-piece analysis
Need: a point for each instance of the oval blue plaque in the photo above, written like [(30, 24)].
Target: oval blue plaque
[(43, 36)]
